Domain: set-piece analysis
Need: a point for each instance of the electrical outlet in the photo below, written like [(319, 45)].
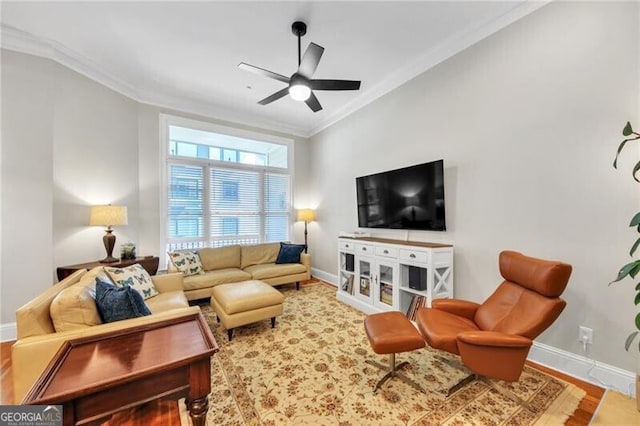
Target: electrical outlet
[(585, 335)]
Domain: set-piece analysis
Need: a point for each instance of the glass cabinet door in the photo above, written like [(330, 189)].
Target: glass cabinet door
[(365, 269), (386, 293)]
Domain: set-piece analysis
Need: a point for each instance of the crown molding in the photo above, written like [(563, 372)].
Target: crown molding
[(23, 42), (20, 41), (445, 50)]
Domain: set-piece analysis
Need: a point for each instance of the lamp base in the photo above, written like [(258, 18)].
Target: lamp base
[(109, 241)]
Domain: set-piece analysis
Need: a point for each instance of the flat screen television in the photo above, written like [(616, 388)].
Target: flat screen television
[(407, 198)]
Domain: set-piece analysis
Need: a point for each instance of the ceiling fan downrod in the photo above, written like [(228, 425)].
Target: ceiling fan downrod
[(299, 29)]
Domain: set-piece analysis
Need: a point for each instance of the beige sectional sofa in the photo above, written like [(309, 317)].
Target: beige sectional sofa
[(237, 263), (67, 311)]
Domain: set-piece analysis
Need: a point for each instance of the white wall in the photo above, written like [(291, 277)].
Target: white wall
[(527, 122), (95, 161), (68, 143), (27, 174)]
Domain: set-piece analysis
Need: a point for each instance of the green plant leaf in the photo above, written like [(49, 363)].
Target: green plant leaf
[(635, 170), (634, 247), (636, 220), (636, 301), (638, 287), (629, 340), (634, 271), (620, 147), (627, 129), (625, 270), (638, 321)]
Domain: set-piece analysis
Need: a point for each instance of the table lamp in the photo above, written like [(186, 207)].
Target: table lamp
[(108, 216), (306, 216)]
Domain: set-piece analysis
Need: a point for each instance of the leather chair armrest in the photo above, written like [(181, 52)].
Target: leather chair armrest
[(494, 338), (169, 282), (459, 307), (494, 354)]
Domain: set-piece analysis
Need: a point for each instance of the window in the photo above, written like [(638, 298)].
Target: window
[(229, 226), (230, 191), (225, 186)]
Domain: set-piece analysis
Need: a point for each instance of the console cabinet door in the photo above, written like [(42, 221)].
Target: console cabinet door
[(364, 278), (385, 281)]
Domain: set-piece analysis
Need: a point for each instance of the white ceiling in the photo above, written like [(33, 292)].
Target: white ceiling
[(184, 55)]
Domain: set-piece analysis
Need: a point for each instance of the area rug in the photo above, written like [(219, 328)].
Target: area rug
[(310, 369)]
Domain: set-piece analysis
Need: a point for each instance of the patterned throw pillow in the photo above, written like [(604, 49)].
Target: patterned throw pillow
[(186, 262), (134, 276)]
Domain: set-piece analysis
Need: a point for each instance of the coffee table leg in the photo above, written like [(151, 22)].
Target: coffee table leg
[(199, 388), (68, 414)]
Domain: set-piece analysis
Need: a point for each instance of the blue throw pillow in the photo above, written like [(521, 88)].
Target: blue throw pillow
[(118, 303), (289, 253)]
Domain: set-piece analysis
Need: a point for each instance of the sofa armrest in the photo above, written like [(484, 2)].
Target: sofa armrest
[(30, 356), (169, 282), (305, 259)]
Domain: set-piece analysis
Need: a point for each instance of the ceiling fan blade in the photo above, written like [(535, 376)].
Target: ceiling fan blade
[(334, 85), (263, 72), (313, 103), (310, 60), (279, 94)]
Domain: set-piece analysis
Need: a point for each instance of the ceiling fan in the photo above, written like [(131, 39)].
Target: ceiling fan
[(300, 84)]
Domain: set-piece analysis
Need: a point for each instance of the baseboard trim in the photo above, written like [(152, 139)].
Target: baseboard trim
[(574, 365), (583, 368), (8, 332), (325, 276)]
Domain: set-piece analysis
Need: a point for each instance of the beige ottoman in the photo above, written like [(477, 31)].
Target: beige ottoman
[(242, 303)]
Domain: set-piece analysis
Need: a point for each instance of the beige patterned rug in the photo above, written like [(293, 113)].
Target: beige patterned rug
[(311, 370)]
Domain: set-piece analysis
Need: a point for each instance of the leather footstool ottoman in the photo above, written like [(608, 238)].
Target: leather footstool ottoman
[(246, 302), (390, 333)]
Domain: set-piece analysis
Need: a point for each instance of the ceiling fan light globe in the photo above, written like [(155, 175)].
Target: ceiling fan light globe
[(299, 92)]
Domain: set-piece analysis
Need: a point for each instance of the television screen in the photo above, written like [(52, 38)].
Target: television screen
[(408, 198)]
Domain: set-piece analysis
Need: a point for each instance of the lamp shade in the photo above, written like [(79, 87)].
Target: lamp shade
[(306, 215), (108, 215)]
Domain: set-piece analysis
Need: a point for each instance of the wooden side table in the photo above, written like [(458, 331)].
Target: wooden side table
[(94, 377), (149, 263)]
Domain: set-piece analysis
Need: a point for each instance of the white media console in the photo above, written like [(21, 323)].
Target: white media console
[(377, 274)]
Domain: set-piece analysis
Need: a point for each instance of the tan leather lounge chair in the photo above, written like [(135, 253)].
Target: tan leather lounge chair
[(494, 338)]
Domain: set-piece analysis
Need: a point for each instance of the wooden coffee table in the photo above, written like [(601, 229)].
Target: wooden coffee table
[(97, 376)]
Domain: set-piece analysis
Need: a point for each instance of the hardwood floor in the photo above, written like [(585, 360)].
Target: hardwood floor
[(161, 413), (588, 405)]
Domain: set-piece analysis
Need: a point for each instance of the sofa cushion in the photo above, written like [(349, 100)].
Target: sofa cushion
[(186, 262), (119, 303), (74, 308), (220, 258), (134, 276), (289, 253), (212, 278), (167, 301), (259, 253), (271, 270)]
